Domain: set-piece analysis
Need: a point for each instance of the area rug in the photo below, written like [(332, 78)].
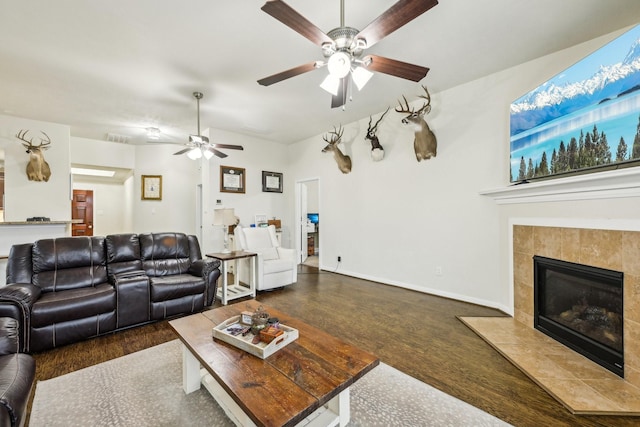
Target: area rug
[(145, 389)]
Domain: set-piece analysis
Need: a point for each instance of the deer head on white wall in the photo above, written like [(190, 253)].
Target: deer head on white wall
[(425, 144), (333, 139), (377, 152), (37, 168)]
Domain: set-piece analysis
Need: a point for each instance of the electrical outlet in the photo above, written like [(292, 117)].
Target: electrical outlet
[(339, 258), (438, 271)]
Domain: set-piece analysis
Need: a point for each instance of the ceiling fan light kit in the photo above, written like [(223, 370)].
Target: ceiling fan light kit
[(361, 76), (343, 46), (339, 64), (194, 154), (331, 84)]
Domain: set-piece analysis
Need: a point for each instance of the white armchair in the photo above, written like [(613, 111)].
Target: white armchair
[(276, 266)]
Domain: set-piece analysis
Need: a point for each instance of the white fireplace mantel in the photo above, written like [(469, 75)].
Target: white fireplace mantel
[(602, 185)]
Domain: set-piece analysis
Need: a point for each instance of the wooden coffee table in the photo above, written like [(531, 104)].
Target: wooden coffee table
[(305, 383)]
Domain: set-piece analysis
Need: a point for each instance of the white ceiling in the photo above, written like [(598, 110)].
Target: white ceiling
[(120, 66)]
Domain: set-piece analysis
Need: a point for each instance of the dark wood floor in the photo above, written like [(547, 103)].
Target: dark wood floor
[(416, 333)]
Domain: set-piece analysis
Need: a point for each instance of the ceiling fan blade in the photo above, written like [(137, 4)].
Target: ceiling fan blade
[(292, 19), (216, 152), (183, 151), (341, 98), (228, 146), (300, 69), (395, 68), (393, 18)]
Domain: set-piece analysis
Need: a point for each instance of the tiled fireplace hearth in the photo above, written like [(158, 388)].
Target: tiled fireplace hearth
[(610, 249), (580, 384)]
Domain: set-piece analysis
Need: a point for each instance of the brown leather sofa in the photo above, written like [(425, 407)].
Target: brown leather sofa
[(68, 289), (17, 376)]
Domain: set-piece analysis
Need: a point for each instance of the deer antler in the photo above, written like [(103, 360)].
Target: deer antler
[(44, 144), (426, 108), (372, 130), (404, 108), (336, 135), (22, 136), (427, 105)]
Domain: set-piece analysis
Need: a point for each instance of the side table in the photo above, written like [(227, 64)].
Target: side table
[(228, 292)]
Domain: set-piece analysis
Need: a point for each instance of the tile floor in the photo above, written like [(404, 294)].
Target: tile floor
[(581, 385)]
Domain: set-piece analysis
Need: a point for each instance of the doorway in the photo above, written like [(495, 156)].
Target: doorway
[(82, 213), (308, 223)]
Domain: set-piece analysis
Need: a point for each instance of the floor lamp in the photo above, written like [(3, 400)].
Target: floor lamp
[(224, 217)]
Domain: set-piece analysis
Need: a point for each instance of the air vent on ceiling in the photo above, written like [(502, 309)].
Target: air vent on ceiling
[(114, 137)]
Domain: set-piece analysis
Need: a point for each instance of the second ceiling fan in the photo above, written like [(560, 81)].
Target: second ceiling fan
[(199, 144), (344, 47)]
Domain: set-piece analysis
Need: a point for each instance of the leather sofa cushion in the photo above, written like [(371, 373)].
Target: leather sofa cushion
[(8, 336), (171, 287), (164, 254), (17, 375), (123, 253), (58, 307), (68, 263)]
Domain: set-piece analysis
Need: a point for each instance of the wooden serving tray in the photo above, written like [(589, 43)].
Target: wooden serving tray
[(262, 349)]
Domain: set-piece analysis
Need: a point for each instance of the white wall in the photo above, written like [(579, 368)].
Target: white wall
[(399, 221), (86, 151), (112, 210), (180, 175), (258, 155), (26, 198), (108, 213)]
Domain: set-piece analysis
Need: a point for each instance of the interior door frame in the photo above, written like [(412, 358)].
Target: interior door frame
[(90, 226), (300, 221)]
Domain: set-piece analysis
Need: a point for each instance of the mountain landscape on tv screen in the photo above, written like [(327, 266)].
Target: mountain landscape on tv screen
[(550, 101), (585, 117)]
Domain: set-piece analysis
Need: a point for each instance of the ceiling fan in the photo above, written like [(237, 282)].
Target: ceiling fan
[(199, 145), (344, 46)]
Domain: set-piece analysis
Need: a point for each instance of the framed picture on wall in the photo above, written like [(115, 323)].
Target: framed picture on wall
[(151, 187), (232, 180), (271, 182)]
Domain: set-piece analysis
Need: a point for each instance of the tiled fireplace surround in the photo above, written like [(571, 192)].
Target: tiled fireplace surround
[(611, 249)]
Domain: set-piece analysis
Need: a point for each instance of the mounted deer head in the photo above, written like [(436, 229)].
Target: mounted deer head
[(424, 144), (333, 139), (377, 152), (37, 168)]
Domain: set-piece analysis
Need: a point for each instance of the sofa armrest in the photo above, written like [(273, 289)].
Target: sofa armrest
[(21, 293), (286, 253), (114, 278), (8, 336), (202, 267), (209, 270), (16, 301), (132, 297)]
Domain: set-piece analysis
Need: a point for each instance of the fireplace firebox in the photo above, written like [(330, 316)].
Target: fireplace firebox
[(581, 307)]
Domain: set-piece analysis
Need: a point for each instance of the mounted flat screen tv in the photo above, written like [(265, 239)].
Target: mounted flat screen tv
[(314, 218), (584, 119)]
